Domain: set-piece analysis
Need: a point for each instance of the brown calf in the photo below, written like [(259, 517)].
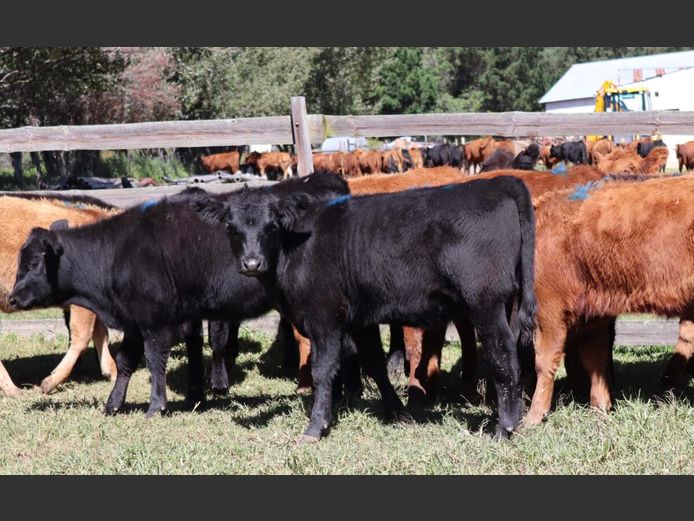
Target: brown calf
[(369, 161), (224, 161), (626, 248), (478, 150), (623, 160), (276, 161), (21, 215), (685, 155)]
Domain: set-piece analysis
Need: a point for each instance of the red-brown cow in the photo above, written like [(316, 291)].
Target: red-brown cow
[(225, 161)]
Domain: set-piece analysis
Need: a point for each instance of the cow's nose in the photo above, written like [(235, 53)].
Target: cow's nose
[(251, 264)]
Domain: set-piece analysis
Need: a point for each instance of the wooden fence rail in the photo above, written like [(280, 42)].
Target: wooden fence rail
[(278, 130)]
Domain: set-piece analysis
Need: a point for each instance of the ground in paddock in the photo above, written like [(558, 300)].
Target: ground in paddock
[(254, 430)]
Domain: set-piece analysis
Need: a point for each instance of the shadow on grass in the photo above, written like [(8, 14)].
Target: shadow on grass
[(31, 370)]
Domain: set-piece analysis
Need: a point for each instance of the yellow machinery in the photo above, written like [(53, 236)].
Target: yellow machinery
[(611, 98)]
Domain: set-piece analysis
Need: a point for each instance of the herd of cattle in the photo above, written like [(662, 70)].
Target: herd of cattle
[(534, 264), (483, 154)]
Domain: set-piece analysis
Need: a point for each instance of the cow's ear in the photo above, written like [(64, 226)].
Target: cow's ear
[(597, 155), (211, 211), (50, 241), (289, 210), (60, 224)]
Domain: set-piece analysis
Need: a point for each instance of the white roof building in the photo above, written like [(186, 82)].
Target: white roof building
[(669, 77), (575, 90)]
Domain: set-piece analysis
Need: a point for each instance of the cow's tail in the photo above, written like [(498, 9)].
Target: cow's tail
[(527, 309)]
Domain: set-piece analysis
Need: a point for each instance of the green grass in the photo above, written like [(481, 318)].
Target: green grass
[(254, 430)]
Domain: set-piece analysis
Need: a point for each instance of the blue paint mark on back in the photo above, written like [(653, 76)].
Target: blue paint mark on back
[(148, 204), (559, 169), (580, 193), (338, 200)]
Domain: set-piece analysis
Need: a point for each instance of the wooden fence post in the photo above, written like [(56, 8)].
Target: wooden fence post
[(302, 143)]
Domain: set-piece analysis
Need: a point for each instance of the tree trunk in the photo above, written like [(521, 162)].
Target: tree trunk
[(17, 165)]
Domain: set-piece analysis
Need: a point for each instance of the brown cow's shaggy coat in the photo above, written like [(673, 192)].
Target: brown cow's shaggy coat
[(623, 160), (626, 248), (21, 215)]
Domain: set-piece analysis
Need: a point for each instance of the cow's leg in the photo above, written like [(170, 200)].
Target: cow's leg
[(6, 384), (157, 348), (500, 348), (468, 344), (326, 346), (413, 338), (192, 336), (127, 360), (433, 339), (368, 341), (224, 340), (594, 353), (549, 344), (106, 362), (81, 327), (396, 360), (305, 380), (675, 375)]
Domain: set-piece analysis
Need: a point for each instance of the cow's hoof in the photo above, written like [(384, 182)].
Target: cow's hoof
[(304, 391), (154, 413), (48, 384), (220, 391), (305, 439), (110, 411), (503, 433), (534, 419)]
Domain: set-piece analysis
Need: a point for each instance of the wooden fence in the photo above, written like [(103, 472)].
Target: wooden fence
[(302, 130)]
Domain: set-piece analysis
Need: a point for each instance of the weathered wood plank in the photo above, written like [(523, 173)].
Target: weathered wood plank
[(162, 134), (278, 130), (512, 124), (127, 197), (300, 131)]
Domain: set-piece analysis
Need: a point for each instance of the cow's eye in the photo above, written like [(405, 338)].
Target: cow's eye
[(273, 226)]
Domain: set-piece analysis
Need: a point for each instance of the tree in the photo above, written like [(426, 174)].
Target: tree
[(50, 86), (406, 85)]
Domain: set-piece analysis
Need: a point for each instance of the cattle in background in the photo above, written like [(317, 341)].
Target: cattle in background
[(140, 271), (416, 156), (527, 158), (478, 150), (623, 160), (369, 161), (228, 161), (546, 157), (393, 161), (625, 248), (22, 212), (274, 163), (479, 218), (602, 147), (574, 152), (446, 154), (499, 160), (502, 159), (685, 155), (643, 149), (327, 162), (350, 165)]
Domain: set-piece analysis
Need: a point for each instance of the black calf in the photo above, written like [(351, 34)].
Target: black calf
[(343, 267)]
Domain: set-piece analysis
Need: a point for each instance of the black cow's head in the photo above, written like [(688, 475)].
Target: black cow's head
[(554, 151), (257, 221), (36, 284)]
